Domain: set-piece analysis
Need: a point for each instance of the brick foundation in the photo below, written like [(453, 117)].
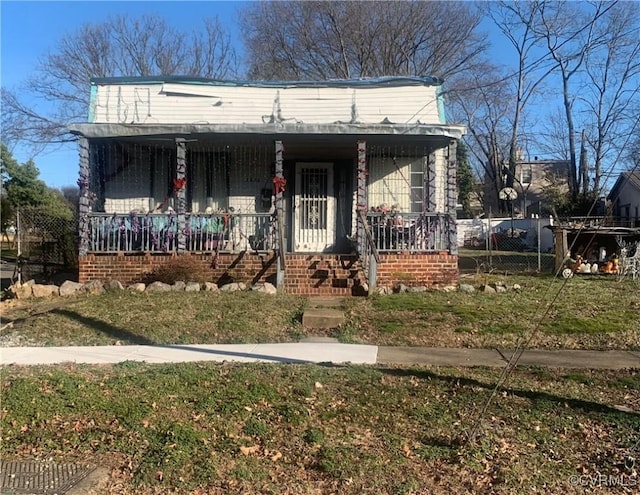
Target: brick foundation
[(306, 274), (428, 269), (243, 267)]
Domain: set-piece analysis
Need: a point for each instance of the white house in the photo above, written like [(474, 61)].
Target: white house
[(360, 168)]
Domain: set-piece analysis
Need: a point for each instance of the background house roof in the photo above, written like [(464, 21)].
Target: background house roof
[(630, 178)]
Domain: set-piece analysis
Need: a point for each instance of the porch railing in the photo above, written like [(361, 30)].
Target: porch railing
[(369, 256), (158, 232), (413, 232)]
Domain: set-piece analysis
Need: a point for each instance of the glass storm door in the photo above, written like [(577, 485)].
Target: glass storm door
[(314, 207)]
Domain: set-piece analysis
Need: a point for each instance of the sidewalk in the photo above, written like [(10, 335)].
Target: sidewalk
[(317, 352)]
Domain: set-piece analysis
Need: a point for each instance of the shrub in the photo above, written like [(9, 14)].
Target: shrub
[(183, 268)]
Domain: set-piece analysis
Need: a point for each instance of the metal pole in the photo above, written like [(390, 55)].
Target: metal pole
[(489, 238), (539, 243)]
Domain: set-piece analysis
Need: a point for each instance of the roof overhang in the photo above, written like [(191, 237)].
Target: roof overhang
[(101, 131)]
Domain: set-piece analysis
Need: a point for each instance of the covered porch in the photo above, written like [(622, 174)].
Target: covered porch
[(230, 196)]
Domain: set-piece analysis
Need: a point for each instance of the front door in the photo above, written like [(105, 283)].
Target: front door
[(314, 208)]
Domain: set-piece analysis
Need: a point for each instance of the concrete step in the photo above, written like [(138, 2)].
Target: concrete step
[(322, 318), (325, 302)]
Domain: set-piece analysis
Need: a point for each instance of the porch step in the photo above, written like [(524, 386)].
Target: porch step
[(323, 274), (322, 318)]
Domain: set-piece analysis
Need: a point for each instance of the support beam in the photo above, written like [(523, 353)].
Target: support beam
[(84, 203), (452, 196), (279, 183), (181, 192)]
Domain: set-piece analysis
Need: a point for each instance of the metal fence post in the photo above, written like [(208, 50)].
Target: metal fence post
[(489, 247), (19, 235), (538, 230)]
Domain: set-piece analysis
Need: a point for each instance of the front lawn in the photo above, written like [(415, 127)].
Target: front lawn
[(308, 429), (591, 312)]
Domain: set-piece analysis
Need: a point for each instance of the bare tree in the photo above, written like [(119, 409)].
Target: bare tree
[(613, 76), (570, 34), (119, 46), (483, 103), (323, 40), (516, 21)]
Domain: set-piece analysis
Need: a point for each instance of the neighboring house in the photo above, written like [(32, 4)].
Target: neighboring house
[(319, 187), (625, 199), (533, 181), (533, 178)]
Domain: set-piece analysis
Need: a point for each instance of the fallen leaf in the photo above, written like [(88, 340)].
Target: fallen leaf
[(249, 450), (277, 456), (407, 451), (159, 475)]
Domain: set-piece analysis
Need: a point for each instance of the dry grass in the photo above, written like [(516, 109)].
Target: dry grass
[(306, 429), (589, 313)]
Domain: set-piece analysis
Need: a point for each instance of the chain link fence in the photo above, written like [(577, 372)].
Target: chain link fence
[(510, 245), (46, 244)]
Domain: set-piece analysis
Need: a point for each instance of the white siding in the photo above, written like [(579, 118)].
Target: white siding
[(389, 182), (173, 103)]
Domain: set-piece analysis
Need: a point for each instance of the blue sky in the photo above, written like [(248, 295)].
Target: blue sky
[(30, 29)]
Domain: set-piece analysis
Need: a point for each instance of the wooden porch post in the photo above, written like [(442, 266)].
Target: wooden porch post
[(361, 196), (84, 203), (181, 192), (430, 184), (279, 178), (452, 197)]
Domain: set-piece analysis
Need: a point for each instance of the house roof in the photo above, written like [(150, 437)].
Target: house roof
[(631, 179), (374, 82)]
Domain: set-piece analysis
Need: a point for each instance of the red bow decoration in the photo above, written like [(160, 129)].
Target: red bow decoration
[(279, 184), (179, 184)]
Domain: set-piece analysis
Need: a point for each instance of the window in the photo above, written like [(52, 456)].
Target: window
[(417, 185), (525, 176)]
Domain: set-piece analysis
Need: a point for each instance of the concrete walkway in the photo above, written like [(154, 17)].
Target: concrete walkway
[(316, 352)]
